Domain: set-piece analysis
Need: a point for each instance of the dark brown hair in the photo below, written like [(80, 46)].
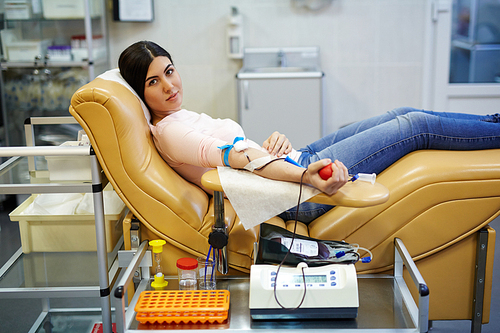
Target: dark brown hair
[(134, 63)]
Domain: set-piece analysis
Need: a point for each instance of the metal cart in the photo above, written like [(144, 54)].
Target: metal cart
[(20, 176), (386, 304)]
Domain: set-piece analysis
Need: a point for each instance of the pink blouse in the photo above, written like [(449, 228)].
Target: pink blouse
[(188, 142)]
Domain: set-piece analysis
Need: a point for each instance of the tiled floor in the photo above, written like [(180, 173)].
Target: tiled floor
[(18, 315)]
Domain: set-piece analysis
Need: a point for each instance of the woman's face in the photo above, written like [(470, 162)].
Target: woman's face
[(163, 87)]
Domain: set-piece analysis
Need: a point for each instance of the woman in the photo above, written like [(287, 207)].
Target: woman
[(192, 143)]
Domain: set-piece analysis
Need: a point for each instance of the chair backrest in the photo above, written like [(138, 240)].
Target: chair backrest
[(113, 118)]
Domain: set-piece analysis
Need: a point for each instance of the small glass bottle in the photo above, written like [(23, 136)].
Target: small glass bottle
[(186, 270)]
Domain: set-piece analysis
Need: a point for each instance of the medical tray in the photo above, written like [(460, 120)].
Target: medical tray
[(182, 306)]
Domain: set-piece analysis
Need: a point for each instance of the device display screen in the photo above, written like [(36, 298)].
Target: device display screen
[(309, 279)]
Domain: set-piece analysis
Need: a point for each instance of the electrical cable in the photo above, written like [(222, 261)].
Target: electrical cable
[(288, 252), (351, 249)]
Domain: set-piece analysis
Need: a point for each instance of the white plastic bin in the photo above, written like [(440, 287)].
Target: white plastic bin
[(69, 167), (64, 233)]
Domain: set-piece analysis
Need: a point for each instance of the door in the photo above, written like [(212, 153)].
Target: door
[(462, 56)]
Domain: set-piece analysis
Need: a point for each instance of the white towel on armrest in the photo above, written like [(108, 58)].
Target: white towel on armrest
[(257, 199)]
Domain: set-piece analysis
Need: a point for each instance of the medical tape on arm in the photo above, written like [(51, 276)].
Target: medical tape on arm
[(239, 144)]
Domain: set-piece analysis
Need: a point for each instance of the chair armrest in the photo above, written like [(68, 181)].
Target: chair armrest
[(210, 180), (353, 194)]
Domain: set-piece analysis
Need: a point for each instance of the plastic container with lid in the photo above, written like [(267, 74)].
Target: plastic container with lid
[(186, 271)]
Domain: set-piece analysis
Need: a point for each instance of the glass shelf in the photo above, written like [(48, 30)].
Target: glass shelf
[(52, 269), (43, 19), (48, 63), (14, 173)]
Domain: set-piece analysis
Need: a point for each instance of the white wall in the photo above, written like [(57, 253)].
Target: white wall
[(371, 50)]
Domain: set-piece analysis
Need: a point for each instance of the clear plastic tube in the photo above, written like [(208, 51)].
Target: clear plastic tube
[(157, 258), (366, 177)]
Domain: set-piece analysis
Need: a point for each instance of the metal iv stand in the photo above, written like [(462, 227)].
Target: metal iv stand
[(218, 238)]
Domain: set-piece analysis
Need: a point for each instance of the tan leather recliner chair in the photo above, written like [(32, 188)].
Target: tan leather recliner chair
[(438, 202)]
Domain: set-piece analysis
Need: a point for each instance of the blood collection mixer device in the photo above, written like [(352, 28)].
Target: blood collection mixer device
[(331, 291)]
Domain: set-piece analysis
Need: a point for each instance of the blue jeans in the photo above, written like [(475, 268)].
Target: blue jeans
[(371, 145)]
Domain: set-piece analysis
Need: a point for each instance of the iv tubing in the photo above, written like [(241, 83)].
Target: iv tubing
[(206, 265)]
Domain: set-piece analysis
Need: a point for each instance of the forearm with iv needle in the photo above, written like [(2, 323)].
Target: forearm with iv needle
[(279, 170), (285, 171)]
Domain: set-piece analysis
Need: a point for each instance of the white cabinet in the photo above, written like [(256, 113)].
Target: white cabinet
[(291, 106), (280, 89)]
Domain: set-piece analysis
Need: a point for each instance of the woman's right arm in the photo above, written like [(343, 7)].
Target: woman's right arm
[(180, 144), (282, 170)]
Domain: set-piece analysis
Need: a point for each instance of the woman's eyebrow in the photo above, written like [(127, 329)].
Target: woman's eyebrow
[(154, 76), (166, 68), (151, 77)]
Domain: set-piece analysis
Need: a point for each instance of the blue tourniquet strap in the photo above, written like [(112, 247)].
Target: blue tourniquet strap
[(227, 149)]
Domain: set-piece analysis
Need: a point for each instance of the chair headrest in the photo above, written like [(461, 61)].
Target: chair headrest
[(114, 75)]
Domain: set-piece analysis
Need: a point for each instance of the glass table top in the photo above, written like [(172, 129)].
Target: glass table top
[(16, 171), (53, 269), (16, 178)]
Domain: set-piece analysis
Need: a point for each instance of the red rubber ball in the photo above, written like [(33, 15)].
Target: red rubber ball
[(326, 172)]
